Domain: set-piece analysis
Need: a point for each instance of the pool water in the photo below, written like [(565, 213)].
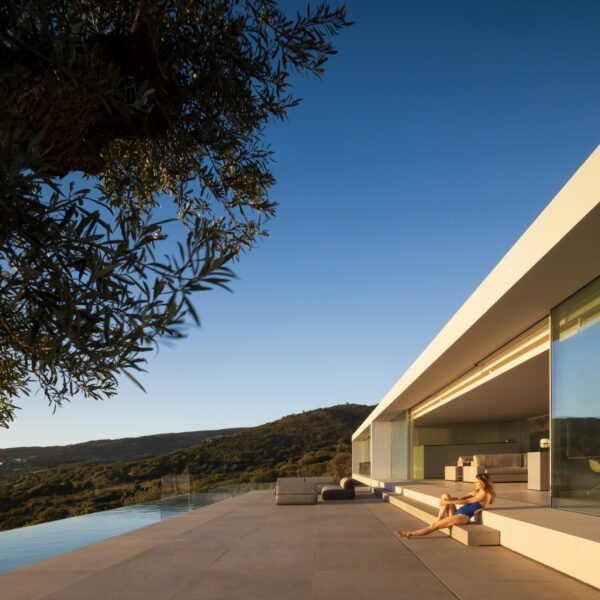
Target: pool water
[(26, 545)]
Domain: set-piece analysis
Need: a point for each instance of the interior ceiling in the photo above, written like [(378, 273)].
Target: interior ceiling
[(519, 393)]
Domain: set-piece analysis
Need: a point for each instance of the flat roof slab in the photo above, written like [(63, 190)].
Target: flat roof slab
[(554, 258), (247, 547)]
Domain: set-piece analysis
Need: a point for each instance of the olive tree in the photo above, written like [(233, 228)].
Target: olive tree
[(125, 125)]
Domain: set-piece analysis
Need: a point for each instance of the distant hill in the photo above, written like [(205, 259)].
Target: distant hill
[(39, 457), (300, 444)]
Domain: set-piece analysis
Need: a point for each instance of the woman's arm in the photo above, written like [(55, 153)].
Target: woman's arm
[(462, 500), (468, 496), (472, 497)]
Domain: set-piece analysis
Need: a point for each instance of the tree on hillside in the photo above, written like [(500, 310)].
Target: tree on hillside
[(162, 106)]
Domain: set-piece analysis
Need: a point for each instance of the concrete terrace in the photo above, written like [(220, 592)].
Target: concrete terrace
[(248, 548)]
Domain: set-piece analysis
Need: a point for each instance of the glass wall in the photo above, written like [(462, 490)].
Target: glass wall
[(361, 456), (576, 402), (538, 428)]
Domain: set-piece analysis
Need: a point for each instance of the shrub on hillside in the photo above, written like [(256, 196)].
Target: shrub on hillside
[(340, 466)]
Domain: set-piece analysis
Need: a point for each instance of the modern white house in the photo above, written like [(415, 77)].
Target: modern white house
[(518, 363)]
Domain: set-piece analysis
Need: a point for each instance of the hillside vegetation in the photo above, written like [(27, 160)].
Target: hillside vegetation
[(300, 444), (38, 457)]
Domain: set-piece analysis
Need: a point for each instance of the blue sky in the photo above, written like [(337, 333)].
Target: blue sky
[(438, 134)]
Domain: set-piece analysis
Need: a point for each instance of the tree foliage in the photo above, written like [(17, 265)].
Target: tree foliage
[(162, 105), (341, 464)]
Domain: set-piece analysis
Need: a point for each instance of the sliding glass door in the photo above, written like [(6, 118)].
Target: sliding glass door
[(576, 402)]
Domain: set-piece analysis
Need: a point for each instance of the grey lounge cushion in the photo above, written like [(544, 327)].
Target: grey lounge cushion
[(335, 492), (498, 460), (347, 483), (505, 470)]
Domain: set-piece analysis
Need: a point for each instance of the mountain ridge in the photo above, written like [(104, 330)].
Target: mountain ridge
[(103, 450), (303, 444)]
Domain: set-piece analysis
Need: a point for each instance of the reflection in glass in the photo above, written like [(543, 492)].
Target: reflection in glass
[(361, 450), (576, 402), (538, 429)]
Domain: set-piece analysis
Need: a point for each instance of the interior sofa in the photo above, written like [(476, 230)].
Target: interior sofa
[(300, 490), (500, 467), (344, 491)]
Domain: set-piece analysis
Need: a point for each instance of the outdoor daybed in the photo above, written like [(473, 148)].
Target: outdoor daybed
[(300, 490)]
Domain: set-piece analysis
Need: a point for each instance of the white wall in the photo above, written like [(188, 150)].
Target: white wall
[(381, 450), (400, 467)]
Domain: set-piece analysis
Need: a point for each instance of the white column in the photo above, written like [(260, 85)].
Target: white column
[(401, 447), (381, 450), (538, 469)]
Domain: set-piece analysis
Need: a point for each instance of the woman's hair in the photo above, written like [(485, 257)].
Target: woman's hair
[(488, 486)]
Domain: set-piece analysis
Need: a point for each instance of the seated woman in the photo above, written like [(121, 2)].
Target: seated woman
[(473, 504)]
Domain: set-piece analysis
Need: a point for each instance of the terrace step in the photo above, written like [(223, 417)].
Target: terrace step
[(473, 534)]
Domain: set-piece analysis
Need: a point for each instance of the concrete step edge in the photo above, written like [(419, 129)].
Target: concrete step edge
[(419, 496)]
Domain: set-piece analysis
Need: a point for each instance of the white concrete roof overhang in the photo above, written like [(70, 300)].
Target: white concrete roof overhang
[(556, 256), (518, 393)]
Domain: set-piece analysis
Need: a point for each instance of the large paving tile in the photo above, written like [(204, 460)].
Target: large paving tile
[(258, 572), (245, 586), (37, 583), (157, 574), (355, 583)]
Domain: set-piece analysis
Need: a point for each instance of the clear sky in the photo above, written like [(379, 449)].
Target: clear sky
[(438, 134)]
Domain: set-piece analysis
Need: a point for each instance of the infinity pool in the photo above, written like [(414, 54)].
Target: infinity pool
[(26, 545)]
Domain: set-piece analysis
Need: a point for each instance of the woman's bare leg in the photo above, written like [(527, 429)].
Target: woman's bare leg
[(443, 512), (446, 510), (442, 524)]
